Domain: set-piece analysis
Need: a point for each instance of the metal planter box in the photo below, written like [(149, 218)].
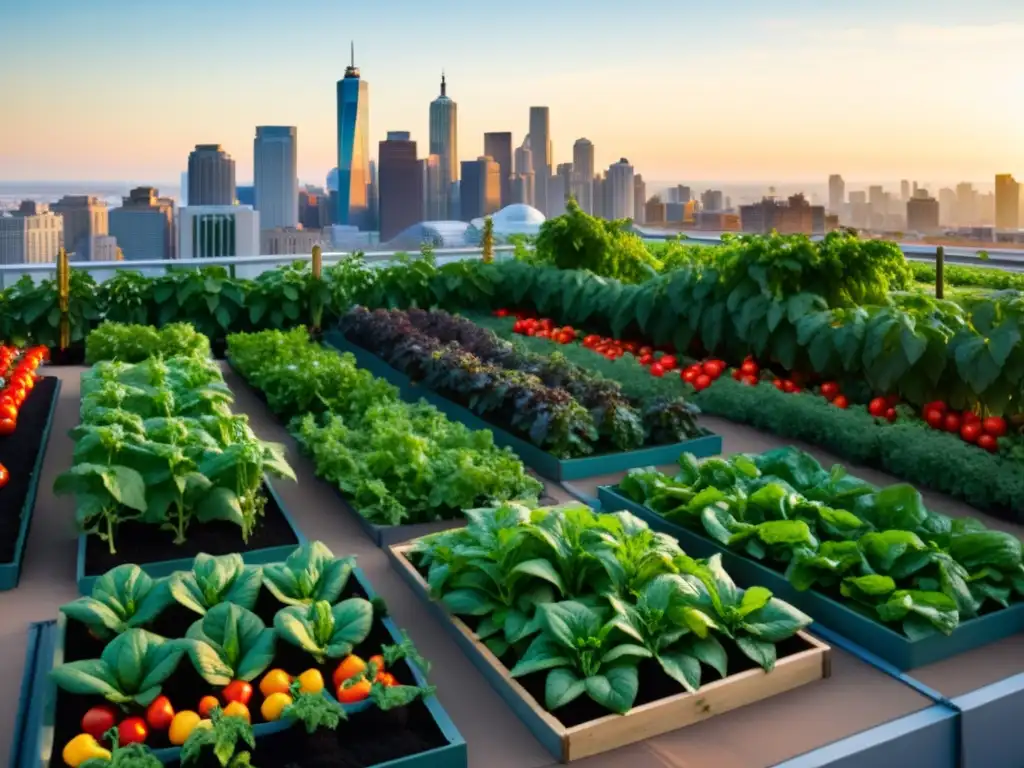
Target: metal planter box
[(166, 567), (10, 573), (612, 731), (544, 463), (886, 643)]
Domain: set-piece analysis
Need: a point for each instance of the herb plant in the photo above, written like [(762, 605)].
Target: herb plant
[(223, 738)]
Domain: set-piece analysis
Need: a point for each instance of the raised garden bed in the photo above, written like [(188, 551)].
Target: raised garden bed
[(22, 454), (544, 463), (581, 726), (154, 550), (881, 640), (418, 733)]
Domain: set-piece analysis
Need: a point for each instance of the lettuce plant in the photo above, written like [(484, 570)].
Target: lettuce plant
[(216, 580), (131, 668), (310, 574), (122, 598), (325, 631), (230, 643)]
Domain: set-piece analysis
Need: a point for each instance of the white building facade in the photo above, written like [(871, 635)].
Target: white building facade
[(218, 231), (620, 190), (33, 235)]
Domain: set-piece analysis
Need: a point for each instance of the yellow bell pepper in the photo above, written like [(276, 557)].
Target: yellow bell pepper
[(81, 748)]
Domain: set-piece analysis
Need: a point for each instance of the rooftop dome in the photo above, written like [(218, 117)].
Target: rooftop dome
[(518, 213), (439, 234)]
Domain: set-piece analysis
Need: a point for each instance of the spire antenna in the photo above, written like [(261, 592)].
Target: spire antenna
[(352, 43), (443, 85)]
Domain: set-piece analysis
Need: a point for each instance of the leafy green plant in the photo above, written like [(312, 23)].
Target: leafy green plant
[(124, 755), (131, 668), (208, 298), (315, 711), (122, 598), (325, 631), (405, 649), (135, 343), (230, 643), (310, 574), (31, 312), (223, 739), (216, 580)]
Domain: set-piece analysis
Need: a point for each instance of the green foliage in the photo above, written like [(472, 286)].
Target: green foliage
[(323, 630), (135, 343), (216, 580), (577, 240), (223, 738), (30, 312), (396, 463), (124, 756), (122, 598), (877, 547), (584, 598), (972, 277), (310, 574), (230, 643), (315, 711), (131, 668)]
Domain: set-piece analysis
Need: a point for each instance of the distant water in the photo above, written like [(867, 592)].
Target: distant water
[(12, 193)]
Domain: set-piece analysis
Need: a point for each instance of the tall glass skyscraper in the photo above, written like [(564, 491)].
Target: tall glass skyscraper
[(444, 142), (353, 148)]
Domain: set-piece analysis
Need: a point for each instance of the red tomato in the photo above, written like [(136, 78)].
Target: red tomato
[(646, 359), (657, 371), (19, 394), (237, 690), (7, 427), (970, 417), (750, 367), (878, 407), (206, 705), (629, 346), (645, 351), (689, 375), (970, 432), (8, 411), (591, 340), (788, 386), (531, 331), (829, 390), (702, 382), (934, 418), (160, 713), (501, 312), (713, 368), (98, 720), (132, 730), (668, 362), (518, 327), (995, 426), (890, 415), (566, 337), (543, 334), (951, 422), (936, 405), (777, 383), (840, 401), (989, 443), (751, 380), (737, 374), (386, 679), (546, 323)]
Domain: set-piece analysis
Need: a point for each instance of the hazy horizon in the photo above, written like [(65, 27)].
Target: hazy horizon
[(741, 93)]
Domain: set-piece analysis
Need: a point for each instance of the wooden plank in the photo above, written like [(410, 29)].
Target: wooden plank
[(642, 722)]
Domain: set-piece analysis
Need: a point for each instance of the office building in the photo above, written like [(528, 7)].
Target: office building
[(433, 197), (522, 189), (566, 174), (791, 217), (314, 209), (619, 191), (558, 195), (444, 142), (836, 193), (33, 234), (904, 190), (289, 241), (246, 195), (353, 97), (104, 248), (716, 221), (144, 225), (85, 217), (524, 157), (211, 176), (218, 231), (480, 188), (712, 200), (583, 174), (600, 197), (183, 191), (401, 185), (966, 204), (654, 211), (540, 146), (1007, 212), (276, 176), (373, 199), (947, 207), (923, 214), (499, 147), (639, 200)]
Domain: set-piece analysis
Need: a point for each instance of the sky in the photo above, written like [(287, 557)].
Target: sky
[(736, 90)]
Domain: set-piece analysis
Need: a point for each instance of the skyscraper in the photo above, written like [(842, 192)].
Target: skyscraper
[(836, 193), (481, 188), (211, 176), (619, 190), (499, 147), (353, 148), (1007, 202), (540, 146), (85, 218), (904, 190), (401, 185), (524, 186), (639, 199), (31, 235), (144, 225), (583, 173), (275, 165), (432, 197), (565, 174), (444, 142)]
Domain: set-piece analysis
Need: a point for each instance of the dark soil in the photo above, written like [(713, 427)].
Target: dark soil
[(145, 543), (18, 453), (73, 355), (367, 739)]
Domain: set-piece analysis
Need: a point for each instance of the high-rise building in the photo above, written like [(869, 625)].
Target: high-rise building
[(373, 199), (923, 214), (31, 235), (353, 94), (600, 198), (540, 146), (275, 167), (444, 142), (499, 147), (522, 188), (481, 188), (619, 190), (401, 185), (966, 204), (904, 190), (211, 176), (792, 217), (246, 195), (947, 207), (583, 174), (639, 200), (85, 218), (218, 231), (1007, 203), (144, 225), (558, 195), (289, 241), (430, 167), (712, 200), (836, 193), (566, 173), (183, 191), (654, 211)]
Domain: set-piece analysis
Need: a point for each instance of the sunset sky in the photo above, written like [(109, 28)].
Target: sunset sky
[(738, 90)]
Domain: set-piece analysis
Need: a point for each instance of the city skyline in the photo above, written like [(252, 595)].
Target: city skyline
[(882, 73)]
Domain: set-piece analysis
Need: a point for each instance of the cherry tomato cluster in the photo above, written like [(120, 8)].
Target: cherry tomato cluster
[(18, 377), (703, 375), (984, 433), (543, 328), (749, 373), (884, 408)]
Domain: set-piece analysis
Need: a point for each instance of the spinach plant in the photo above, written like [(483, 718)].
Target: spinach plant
[(122, 598), (230, 643), (309, 574), (216, 580), (325, 631)]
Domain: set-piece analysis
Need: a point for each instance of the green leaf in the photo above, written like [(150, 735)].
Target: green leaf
[(238, 637), (562, 687), (310, 573), (324, 631), (566, 621), (615, 689), (542, 569), (467, 602), (214, 580), (775, 621), (542, 653), (682, 668), (761, 652)]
